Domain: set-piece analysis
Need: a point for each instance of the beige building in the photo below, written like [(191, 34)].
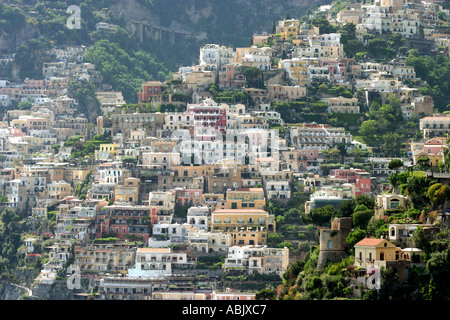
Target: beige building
[(230, 219), (160, 160), (104, 257), (343, 105), (278, 92), (388, 202), (257, 259), (249, 236), (128, 192), (58, 190), (242, 198), (375, 252)]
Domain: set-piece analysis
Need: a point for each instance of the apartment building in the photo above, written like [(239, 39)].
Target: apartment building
[(257, 259), (213, 56), (104, 258), (229, 219), (208, 241), (160, 160), (124, 222), (343, 105), (156, 262), (434, 126), (243, 198), (317, 137)]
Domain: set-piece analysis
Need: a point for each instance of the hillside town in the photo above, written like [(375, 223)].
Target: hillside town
[(225, 171)]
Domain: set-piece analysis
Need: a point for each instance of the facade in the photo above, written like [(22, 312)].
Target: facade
[(343, 105), (257, 259), (124, 222), (229, 219), (156, 262), (434, 126), (375, 252), (333, 245), (242, 198), (105, 258), (386, 202), (150, 90)]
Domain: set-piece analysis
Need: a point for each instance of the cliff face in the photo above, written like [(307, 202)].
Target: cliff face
[(217, 19), (176, 29)]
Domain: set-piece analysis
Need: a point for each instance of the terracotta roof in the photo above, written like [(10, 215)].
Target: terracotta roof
[(369, 242)]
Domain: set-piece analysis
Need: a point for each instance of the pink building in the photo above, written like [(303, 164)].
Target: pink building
[(191, 197), (434, 145), (358, 177), (210, 119)]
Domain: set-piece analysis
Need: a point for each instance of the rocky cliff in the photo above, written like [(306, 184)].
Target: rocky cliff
[(187, 24)]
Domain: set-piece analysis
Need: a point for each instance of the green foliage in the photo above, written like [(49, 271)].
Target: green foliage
[(395, 164), (377, 227), (266, 294), (323, 215), (438, 267), (354, 237), (30, 56), (12, 19), (434, 71), (123, 68), (362, 218), (324, 25), (438, 193), (347, 207), (83, 91), (253, 77)]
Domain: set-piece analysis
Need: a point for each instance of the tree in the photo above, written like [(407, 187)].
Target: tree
[(377, 46), (354, 237), (266, 294), (349, 29), (362, 218), (347, 207), (439, 266), (83, 91), (438, 193), (395, 164), (396, 40), (323, 215), (368, 131), (253, 77), (365, 200), (420, 240)]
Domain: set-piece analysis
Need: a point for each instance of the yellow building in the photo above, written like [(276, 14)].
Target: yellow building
[(58, 190), (289, 32), (375, 252), (297, 69), (213, 201), (128, 192), (249, 236), (243, 198), (230, 219), (107, 151)]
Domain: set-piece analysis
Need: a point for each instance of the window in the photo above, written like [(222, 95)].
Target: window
[(330, 244)]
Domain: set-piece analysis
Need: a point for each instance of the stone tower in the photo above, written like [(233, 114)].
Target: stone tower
[(332, 241)]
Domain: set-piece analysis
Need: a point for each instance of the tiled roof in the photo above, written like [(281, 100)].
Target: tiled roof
[(369, 242)]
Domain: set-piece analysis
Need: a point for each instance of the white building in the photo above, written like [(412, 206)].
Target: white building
[(213, 56), (198, 217), (155, 262), (257, 259)]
